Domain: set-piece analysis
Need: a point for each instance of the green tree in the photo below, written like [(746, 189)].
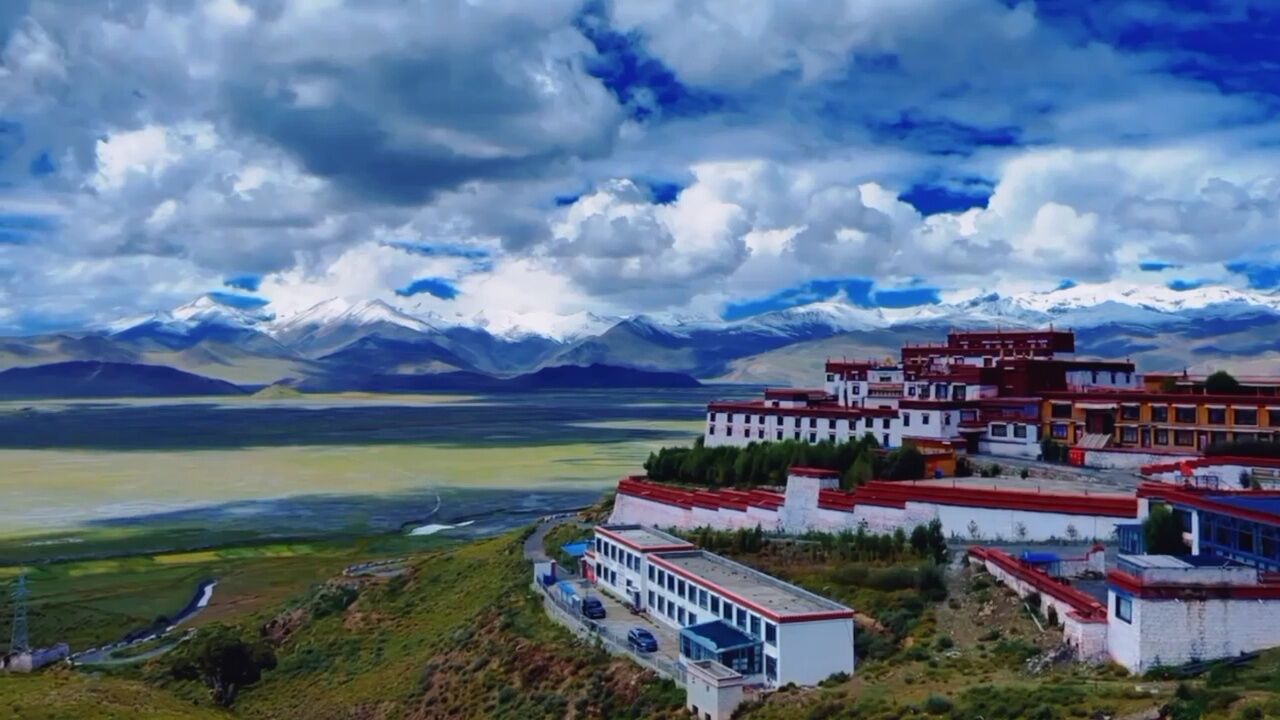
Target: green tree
[(860, 472), (1162, 532), (904, 463), (1221, 383), (224, 660)]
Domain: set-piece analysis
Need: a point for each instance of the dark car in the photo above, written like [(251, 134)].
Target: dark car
[(642, 640), (593, 608)]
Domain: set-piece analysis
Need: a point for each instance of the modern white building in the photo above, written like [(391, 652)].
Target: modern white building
[(769, 631)]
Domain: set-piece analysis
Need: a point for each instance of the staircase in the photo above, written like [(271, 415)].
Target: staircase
[(1094, 441)]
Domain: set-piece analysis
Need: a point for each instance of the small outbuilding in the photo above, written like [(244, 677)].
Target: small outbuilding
[(713, 691)]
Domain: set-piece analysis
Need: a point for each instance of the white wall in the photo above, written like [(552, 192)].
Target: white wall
[(810, 652), (1174, 632), (991, 524)]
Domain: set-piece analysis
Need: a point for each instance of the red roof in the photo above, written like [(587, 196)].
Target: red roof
[(1085, 606), (890, 494), (813, 472), (1186, 591)]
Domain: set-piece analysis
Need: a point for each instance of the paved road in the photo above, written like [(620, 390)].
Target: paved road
[(533, 545)]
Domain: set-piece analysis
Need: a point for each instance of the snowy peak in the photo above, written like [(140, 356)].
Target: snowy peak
[(831, 316), (205, 310), (209, 309), (340, 312), (560, 328)]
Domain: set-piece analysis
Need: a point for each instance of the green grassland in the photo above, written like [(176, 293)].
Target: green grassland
[(93, 602), (61, 694), (461, 635)]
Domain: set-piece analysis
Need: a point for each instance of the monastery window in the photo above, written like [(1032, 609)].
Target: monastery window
[(714, 416), (924, 418), (1184, 414), (727, 611), (797, 435), (855, 388), (760, 434), (680, 615), (1162, 437), (1129, 434), (999, 431), (1130, 412), (813, 422), (702, 598), (1124, 608), (1245, 416), (946, 418), (779, 435), (770, 633), (715, 604), (885, 424), (831, 377), (1244, 540), (1060, 410), (651, 598), (755, 626), (1020, 431), (1273, 417), (1184, 438), (1160, 413), (906, 419), (1217, 416), (884, 442), (1058, 430), (813, 437), (911, 390)]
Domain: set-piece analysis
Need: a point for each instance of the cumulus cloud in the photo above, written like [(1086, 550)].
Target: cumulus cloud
[(168, 147)]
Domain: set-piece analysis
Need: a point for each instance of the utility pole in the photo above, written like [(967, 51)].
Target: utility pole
[(21, 641)]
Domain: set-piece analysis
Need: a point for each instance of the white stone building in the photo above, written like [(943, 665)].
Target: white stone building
[(1166, 610)]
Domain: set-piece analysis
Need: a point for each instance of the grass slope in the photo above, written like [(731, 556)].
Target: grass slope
[(460, 635), (58, 695)]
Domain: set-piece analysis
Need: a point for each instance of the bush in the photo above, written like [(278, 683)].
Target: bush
[(937, 705), (1162, 532)]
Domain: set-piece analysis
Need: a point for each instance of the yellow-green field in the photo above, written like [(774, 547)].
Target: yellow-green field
[(43, 490)]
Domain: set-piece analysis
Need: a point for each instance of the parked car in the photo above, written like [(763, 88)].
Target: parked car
[(642, 640), (592, 608)]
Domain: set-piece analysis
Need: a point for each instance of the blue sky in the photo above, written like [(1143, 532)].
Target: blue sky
[(525, 161)]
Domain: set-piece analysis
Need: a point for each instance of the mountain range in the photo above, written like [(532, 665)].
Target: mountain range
[(339, 344)]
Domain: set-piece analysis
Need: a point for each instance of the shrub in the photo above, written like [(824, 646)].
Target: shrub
[(937, 705)]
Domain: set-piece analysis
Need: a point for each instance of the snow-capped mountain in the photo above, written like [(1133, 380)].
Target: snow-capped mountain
[(347, 341), (560, 328), (337, 311), (204, 310)]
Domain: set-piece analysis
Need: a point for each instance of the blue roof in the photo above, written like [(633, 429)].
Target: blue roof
[(575, 549), (1267, 504), (1039, 557), (720, 635)]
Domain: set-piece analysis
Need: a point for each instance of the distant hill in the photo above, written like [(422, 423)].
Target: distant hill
[(82, 379), (278, 391), (549, 378)]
